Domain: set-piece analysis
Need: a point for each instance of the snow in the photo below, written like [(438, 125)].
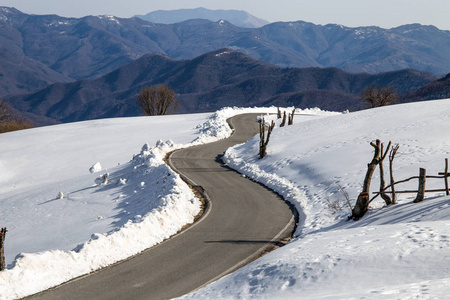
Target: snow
[(59, 23), (62, 224), (97, 167), (110, 18), (223, 53), (396, 252), (77, 197)]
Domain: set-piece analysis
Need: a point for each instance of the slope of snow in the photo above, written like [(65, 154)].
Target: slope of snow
[(61, 224), (64, 219), (397, 252)]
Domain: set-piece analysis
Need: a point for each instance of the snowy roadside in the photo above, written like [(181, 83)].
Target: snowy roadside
[(51, 205), (170, 205), (398, 252)]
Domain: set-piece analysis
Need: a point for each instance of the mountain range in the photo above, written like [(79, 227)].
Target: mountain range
[(238, 18), (209, 82), (437, 89), (38, 50)]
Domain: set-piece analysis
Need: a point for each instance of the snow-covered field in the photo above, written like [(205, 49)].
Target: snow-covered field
[(396, 252), (399, 252), (63, 221)]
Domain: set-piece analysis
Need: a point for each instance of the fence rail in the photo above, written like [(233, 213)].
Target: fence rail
[(414, 191), (421, 186)]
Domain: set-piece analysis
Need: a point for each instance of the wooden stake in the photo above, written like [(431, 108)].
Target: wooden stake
[(291, 117), (362, 203), (383, 195), (283, 122), (2, 248), (263, 141), (421, 190), (391, 172), (446, 177)]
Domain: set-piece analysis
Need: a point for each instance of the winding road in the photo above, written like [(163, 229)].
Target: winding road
[(242, 221)]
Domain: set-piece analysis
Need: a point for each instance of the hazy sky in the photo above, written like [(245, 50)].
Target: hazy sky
[(383, 13)]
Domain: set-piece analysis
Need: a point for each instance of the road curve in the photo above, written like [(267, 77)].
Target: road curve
[(243, 220)]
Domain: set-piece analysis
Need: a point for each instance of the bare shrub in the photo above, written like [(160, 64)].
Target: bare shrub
[(339, 204), (346, 196), (334, 206)]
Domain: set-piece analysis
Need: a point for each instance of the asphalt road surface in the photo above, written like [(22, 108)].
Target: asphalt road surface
[(242, 221)]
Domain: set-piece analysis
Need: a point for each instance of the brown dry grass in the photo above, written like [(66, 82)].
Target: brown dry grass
[(15, 125)]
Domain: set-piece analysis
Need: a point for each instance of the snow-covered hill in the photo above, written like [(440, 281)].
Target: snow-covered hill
[(395, 252), (62, 219)]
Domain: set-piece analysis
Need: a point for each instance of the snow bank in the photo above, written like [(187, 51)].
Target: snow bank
[(172, 205), (216, 126), (397, 252), (97, 167), (142, 202)]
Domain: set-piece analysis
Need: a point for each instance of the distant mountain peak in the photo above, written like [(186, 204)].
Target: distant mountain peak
[(238, 18), (7, 12)]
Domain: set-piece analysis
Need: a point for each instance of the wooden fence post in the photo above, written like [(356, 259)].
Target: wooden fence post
[(422, 181), (291, 118), (362, 202), (283, 122), (361, 206), (446, 177), (263, 141), (2, 247)]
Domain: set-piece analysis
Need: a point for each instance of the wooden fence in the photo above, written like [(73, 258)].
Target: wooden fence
[(422, 179)]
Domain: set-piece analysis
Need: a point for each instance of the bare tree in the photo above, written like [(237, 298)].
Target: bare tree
[(157, 100), (263, 141), (379, 96), (278, 113)]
